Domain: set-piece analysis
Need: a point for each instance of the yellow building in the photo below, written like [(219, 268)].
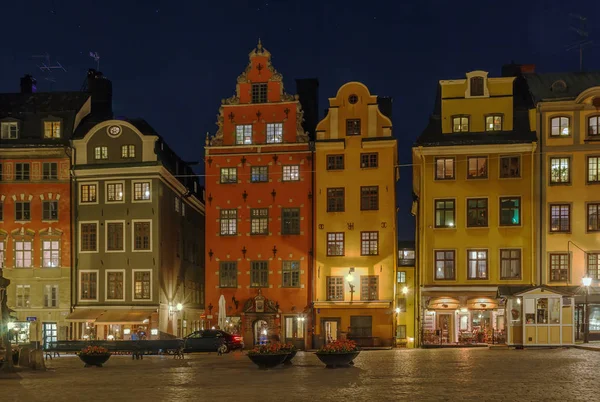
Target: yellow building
[(568, 127), (355, 204), (473, 180), (406, 283)]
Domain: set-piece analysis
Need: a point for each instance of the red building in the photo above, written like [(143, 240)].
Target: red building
[(259, 210)]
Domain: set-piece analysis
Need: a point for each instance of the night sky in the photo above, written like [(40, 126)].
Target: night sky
[(171, 62)]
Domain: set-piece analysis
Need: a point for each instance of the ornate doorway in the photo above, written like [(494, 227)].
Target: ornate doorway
[(260, 329)]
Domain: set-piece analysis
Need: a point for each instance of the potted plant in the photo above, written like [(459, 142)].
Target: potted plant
[(267, 356), (290, 350), (338, 353), (94, 356)]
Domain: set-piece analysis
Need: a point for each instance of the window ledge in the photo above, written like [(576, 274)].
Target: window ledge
[(22, 222), (49, 220)]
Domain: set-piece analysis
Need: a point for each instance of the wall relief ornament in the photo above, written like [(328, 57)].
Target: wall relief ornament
[(301, 135)]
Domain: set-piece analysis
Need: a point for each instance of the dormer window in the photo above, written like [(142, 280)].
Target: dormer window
[(477, 86), (460, 124), (9, 130), (259, 93), (52, 129)]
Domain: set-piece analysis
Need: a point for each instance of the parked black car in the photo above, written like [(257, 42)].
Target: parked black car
[(210, 340)]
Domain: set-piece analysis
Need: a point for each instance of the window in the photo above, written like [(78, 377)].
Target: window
[(593, 169), (229, 175), (290, 221), (141, 191), (52, 129), (369, 287), (114, 285), (460, 124), (335, 244), (50, 210), (259, 93), (89, 285), (290, 272), (127, 151), (1, 216), (477, 212), (560, 218), (510, 263), (369, 243), (369, 198), (50, 171), (335, 162), (444, 213), (401, 276), (141, 285), (560, 172), (259, 221), (593, 266), (444, 168), (51, 296), (510, 167), (142, 236), (353, 127), (259, 274), (560, 126), (401, 330), (559, 267), (23, 296), (100, 153), (177, 204), (243, 134), (369, 160), (228, 219), (510, 211), (2, 251), (89, 237), (1, 172), (50, 252), (335, 288), (228, 274), (291, 173), (493, 123), (335, 199), (477, 264), (88, 193), (115, 232), (594, 125), (22, 210), (22, 171), (24, 252), (477, 167), (593, 217), (477, 86), (444, 264), (274, 133), (114, 192), (9, 130), (259, 174)]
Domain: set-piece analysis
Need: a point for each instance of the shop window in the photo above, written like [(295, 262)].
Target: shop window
[(444, 213), (510, 211), (477, 212), (554, 310), (335, 244), (88, 193), (50, 252), (259, 174), (560, 126), (369, 198), (115, 232), (89, 237), (243, 134), (593, 265), (290, 221), (141, 285), (291, 173), (477, 167), (559, 267), (142, 236), (335, 199), (560, 170), (594, 319), (114, 192), (444, 168), (477, 264), (510, 264), (594, 126), (50, 296), (88, 285), (100, 153), (463, 323), (444, 264), (141, 191), (52, 129), (560, 218), (290, 272), (369, 287), (542, 310), (352, 127), (49, 171), (369, 160), (23, 296), (259, 221), (369, 243), (335, 288), (294, 327), (22, 171), (335, 162), (259, 92), (510, 167), (229, 175), (259, 274), (593, 169), (274, 133), (460, 124), (493, 123)]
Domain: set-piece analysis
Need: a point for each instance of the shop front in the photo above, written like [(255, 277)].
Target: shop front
[(593, 303), (114, 325)]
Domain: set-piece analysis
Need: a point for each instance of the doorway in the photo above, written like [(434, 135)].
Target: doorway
[(50, 331), (261, 332), (444, 324), (331, 329), (294, 331)]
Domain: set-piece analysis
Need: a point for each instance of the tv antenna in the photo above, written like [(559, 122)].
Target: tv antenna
[(47, 67), (583, 35), (96, 57)]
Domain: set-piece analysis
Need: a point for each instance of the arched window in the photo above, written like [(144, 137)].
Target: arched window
[(560, 126), (477, 86), (594, 125)]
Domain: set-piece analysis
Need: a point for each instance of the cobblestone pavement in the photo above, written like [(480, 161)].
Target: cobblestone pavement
[(393, 375)]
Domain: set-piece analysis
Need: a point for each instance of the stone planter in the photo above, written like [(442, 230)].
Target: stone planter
[(268, 361), (333, 360), (94, 360), (289, 357)]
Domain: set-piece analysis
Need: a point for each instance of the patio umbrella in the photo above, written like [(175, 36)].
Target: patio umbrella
[(222, 312)]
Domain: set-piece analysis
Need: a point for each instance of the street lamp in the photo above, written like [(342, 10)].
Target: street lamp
[(350, 279), (587, 281), (179, 306)]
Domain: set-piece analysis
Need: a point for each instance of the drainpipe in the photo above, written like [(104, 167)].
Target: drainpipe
[(542, 195), (420, 233), (312, 267), (532, 208), (74, 228)]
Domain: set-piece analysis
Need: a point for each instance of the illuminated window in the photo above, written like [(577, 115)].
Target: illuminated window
[(50, 252), (493, 123), (9, 130), (444, 213), (444, 264), (477, 167), (229, 175), (444, 168), (100, 153), (51, 296), (369, 198), (259, 221), (369, 287), (594, 125), (23, 252), (559, 267), (560, 170), (274, 133), (52, 129), (259, 274), (114, 192), (593, 265), (290, 272), (335, 244), (23, 296), (477, 264), (128, 151), (141, 191), (259, 174), (141, 285), (88, 193), (560, 218), (335, 288), (593, 217), (243, 134), (291, 173), (401, 276), (228, 219), (560, 126), (510, 263), (369, 243), (593, 169), (460, 124)]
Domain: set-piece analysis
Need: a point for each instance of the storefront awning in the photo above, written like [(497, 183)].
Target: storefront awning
[(124, 316), (84, 314), (460, 291)]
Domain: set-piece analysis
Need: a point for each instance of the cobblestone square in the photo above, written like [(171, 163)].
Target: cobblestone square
[(392, 375)]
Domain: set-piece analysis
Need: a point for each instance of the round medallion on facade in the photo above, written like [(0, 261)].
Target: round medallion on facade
[(114, 131), (353, 99)]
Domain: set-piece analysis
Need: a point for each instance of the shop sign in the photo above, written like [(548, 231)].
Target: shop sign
[(30, 319)]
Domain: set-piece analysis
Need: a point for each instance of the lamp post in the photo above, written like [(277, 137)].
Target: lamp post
[(587, 281)]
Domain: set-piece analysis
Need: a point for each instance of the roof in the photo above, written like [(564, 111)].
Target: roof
[(543, 88), (14, 104)]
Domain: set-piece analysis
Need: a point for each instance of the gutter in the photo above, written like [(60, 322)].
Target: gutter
[(419, 246), (542, 198)]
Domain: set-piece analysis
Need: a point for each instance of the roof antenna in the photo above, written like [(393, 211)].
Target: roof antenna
[(47, 67), (96, 57), (583, 35)]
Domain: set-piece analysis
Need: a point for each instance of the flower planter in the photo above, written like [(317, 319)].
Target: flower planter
[(333, 360), (94, 360), (267, 361), (289, 357)]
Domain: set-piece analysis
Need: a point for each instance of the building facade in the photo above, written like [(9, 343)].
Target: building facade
[(406, 291), (259, 211), (35, 207), (356, 237), (473, 178)]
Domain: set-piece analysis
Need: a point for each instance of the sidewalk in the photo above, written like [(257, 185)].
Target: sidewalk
[(588, 346)]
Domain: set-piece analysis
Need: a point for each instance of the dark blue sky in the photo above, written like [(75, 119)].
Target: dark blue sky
[(171, 62)]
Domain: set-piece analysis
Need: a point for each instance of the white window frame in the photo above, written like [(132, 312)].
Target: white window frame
[(101, 148), (48, 296), (81, 272), (52, 122), (8, 124), (133, 271), (24, 239), (290, 173), (22, 288), (106, 184), (106, 272), (133, 182), (133, 222), (243, 128), (482, 74), (88, 183), (97, 237), (106, 250), (272, 130), (51, 238)]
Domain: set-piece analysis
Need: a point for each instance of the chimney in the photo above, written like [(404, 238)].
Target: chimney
[(385, 105), (100, 88), (28, 84), (515, 70), (308, 93)]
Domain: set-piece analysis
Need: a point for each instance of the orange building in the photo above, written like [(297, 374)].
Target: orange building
[(259, 210)]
